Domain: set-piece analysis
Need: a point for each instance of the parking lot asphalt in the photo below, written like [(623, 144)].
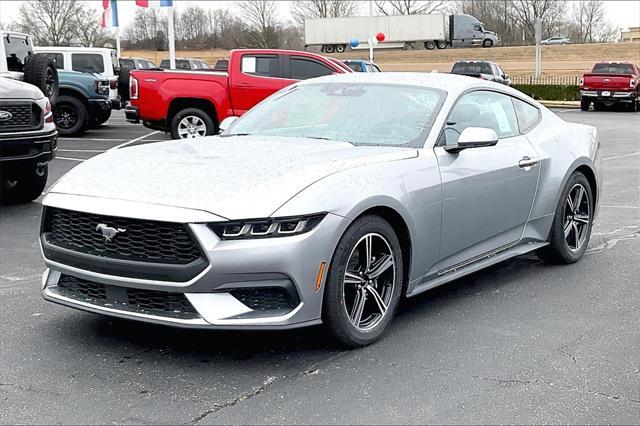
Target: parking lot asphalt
[(521, 342)]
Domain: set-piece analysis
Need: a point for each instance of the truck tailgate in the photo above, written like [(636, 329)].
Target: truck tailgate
[(607, 81)]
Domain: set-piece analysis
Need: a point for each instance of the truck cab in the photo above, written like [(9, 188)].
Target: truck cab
[(468, 31)]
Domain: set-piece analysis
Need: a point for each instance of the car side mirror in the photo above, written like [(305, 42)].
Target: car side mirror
[(226, 123), (474, 137)]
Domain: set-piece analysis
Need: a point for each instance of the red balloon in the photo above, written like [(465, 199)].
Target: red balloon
[(380, 36)]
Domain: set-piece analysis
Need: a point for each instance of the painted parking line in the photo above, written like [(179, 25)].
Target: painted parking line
[(122, 145), (81, 150), (91, 139), (80, 160), (560, 111), (613, 157)]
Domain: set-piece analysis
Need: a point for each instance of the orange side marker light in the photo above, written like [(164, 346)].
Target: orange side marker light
[(320, 276)]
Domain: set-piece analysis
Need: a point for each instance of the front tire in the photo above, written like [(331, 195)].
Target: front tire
[(24, 184), (70, 115), (571, 228), (487, 43), (191, 123), (364, 282)]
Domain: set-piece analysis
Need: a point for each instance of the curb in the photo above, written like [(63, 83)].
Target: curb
[(561, 104)]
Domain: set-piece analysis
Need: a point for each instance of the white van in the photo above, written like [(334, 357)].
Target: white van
[(98, 60)]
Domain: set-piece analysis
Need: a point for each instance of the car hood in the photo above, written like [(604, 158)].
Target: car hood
[(14, 89), (234, 177)]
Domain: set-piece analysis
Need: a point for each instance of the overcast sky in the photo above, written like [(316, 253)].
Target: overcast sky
[(622, 14)]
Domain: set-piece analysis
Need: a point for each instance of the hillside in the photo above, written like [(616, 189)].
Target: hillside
[(570, 60)]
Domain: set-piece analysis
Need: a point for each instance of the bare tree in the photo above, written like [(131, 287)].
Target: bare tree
[(148, 29), (89, 35), (260, 17), (409, 7), (51, 22), (550, 12), (589, 23), (301, 10)]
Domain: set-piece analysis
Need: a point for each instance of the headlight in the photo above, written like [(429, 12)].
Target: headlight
[(266, 228), (102, 87)]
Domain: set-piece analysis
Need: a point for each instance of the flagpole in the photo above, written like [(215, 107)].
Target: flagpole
[(118, 41), (172, 40)]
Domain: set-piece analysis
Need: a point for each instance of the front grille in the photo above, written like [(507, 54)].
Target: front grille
[(23, 116), (264, 298), (141, 240), (149, 302)]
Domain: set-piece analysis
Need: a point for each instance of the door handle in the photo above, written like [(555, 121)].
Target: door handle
[(244, 85), (527, 162)]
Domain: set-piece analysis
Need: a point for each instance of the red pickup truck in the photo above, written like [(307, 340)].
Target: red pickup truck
[(190, 104), (609, 83)]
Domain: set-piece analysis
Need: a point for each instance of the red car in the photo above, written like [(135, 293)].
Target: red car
[(609, 83), (190, 104)]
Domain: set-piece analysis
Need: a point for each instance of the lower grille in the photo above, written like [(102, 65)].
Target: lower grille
[(149, 302), (20, 116), (264, 298)]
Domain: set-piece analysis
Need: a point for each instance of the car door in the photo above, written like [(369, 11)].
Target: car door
[(255, 76), (487, 192)]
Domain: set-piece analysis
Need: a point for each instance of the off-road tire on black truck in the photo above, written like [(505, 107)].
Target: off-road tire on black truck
[(70, 115), (23, 184), (100, 118), (40, 70)]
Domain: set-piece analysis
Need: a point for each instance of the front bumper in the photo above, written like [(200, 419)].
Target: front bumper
[(99, 105), (38, 145), (290, 264)]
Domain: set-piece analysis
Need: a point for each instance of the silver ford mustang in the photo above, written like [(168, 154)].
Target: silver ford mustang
[(324, 204)]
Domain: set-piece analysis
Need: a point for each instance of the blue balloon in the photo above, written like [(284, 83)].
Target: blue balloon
[(354, 42)]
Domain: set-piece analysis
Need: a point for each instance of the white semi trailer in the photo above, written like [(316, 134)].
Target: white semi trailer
[(404, 31)]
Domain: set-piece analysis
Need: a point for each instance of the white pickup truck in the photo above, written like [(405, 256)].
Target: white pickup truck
[(28, 135)]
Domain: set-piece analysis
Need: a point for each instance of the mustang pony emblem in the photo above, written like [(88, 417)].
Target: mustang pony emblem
[(109, 232)]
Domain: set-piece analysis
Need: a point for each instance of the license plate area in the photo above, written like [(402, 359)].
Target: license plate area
[(605, 93)]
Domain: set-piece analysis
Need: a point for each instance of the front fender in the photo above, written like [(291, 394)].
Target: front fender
[(411, 187)]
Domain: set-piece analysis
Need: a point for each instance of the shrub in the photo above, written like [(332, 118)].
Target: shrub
[(550, 92)]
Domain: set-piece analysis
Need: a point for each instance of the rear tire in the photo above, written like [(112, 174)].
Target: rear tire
[(340, 48), (441, 44), (576, 218), (344, 291), (70, 115), (191, 117), (429, 44), (40, 70), (585, 104), (23, 185), (329, 48)]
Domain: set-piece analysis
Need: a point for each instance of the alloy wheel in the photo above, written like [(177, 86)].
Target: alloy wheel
[(65, 116), (369, 281), (577, 216), (191, 127)]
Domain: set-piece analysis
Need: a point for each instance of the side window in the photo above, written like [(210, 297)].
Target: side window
[(477, 28), (58, 59), (17, 49), (500, 70), (528, 115), (87, 62), (262, 65), (482, 109), (302, 69)]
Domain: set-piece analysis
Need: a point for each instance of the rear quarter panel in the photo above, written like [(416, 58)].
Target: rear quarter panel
[(562, 147)]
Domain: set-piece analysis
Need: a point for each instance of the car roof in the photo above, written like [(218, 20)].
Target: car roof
[(70, 48), (451, 83)]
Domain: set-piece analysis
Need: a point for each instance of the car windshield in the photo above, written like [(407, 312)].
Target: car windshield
[(358, 113), (613, 69)]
